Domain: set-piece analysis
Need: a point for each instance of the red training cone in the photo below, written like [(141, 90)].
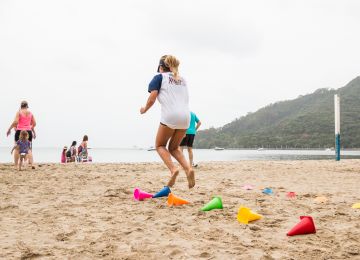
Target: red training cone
[(305, 226)]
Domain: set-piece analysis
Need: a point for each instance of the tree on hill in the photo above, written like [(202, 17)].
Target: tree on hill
[(305, 122)]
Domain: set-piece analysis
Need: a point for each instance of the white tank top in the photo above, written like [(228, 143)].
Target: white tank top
[(174, 99)]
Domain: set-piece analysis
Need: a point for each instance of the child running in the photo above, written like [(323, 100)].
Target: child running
[(171, 91), (23, 146)]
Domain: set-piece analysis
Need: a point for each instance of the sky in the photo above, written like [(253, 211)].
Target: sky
[(84, 66)]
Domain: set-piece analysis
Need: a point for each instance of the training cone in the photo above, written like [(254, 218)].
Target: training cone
[(291, 195), (141, 195), (175, 201), (267, 191), (305, 226), (245, 215), (215, 203), (356, 206), (163, 193)]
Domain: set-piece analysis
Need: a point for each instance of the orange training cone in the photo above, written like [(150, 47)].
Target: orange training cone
[(305, 226), (175, 201)]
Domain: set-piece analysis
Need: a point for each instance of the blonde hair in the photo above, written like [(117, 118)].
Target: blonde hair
[(173, 63), (24, 135)]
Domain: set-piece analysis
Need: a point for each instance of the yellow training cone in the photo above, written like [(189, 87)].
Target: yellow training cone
[(245, 215), (356, 206)]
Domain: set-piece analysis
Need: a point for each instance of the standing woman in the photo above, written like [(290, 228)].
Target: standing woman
[(171, 91), (24, 120)]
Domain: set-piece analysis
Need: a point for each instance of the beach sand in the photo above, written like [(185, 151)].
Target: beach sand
[(87, 211)]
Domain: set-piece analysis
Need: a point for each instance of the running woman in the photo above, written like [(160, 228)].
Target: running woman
[(170, 89)]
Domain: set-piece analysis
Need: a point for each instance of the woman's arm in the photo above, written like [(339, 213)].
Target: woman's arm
[(33, 122), (150, 101), (14, 148), (14, 124)]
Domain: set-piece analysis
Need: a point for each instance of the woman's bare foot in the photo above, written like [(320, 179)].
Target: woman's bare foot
[(191, 178), (173, 178)]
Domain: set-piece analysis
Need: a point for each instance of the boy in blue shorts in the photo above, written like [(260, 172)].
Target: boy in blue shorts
[(190, 136)]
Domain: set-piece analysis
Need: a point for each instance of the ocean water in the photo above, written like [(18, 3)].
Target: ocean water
[(102, 155)]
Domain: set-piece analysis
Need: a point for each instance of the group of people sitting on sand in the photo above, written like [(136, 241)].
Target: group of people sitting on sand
[(76, 154)]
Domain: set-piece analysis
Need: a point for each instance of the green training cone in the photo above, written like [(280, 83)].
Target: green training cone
[(215, 203)]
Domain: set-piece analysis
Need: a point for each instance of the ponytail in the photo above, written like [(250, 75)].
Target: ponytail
[(173, 64)]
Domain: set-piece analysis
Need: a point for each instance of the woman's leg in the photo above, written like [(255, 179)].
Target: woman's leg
[(163, 135), (175, 151)]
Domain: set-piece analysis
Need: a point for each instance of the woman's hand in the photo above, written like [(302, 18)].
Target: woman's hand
[(8, 132), (151, 100)]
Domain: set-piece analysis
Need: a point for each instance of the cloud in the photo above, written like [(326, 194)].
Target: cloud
[(212, 28)]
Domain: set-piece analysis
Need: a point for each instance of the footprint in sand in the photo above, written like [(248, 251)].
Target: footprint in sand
[(274, 223), (127, 232), (65, 236), (204, 255), (29, 253), (352, 249), (176, 252), (255, 228), (116, 192)]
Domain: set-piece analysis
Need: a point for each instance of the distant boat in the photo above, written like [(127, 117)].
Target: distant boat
[(152, 148), (328, 149), (260, 149), (218, 148)]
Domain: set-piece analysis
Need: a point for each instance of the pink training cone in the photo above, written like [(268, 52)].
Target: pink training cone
[(305, 226), (141, 195), (291, 195), (248, 187)]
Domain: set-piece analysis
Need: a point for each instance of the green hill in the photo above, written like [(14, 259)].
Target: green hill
[(305, 122)]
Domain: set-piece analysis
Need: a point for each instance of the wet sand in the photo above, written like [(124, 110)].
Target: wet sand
[(87, 211)]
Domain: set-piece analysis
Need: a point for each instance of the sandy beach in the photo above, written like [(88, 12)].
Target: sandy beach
[(87, 211)]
